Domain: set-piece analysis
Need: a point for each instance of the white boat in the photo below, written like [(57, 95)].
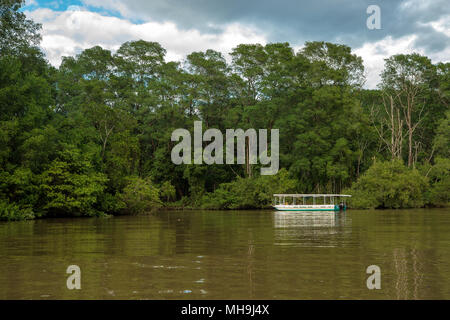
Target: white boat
[(310, 202)]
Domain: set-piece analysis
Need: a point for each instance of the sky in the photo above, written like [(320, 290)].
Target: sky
[(185, 26)]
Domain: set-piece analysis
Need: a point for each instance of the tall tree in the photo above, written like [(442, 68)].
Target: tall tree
[(17, 33), (407, 80)]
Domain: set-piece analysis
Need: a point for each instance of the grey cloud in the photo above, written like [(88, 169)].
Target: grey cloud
[(298, 21)]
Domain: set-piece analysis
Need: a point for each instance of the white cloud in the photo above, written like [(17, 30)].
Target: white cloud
[(69, 32), (374, 53), (442, 25), (31, 3)]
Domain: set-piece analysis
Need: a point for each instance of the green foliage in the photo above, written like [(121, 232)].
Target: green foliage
[(410, 85), (16, 32), (439, 175), (13, 212), (20, 187), (70, 185), (167, 191), (140, 196), (79, 139), (389, 184), (249, 193), (442, 137)]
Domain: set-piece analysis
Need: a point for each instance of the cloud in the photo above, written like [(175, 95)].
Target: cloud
[(292, 20), (374, 54), (185, 26), (66, 33), (31, 3)]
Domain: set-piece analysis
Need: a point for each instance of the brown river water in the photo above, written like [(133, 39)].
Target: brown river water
[(230, 255)]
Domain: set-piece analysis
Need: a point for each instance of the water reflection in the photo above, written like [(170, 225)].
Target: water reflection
[(308, 228), (230, 255)]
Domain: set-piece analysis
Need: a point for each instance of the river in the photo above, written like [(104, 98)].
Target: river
[(230, 255)]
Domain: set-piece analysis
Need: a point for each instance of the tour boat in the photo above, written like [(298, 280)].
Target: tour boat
[(288, 202)]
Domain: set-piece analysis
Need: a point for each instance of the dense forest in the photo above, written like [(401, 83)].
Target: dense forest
[(93, 136)]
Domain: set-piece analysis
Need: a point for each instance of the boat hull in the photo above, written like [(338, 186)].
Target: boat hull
[(307, 207)]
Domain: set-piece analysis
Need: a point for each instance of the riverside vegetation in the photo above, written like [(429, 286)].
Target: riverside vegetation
[(93, 136)]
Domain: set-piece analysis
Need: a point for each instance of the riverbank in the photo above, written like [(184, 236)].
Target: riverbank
[(385, 185)]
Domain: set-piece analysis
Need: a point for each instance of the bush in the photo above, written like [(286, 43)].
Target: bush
[(13, 212), (440, 183), (249, 193), (167, 191), (140, 196), (71, 186), (389, 184), (20, 187)]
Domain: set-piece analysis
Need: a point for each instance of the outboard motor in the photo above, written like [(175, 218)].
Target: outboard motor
[(341, 206)]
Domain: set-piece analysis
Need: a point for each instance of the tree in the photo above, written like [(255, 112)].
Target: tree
[(248, 62), (406, 80), (17, 33), (319, 122), (94, 135), (391, 126), (439, 173), (342, 67), (139, 67), (70, 186), (140, 196), (209, 86)]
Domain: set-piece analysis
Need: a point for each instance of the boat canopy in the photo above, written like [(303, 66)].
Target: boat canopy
[(284, 202), (311, 195)]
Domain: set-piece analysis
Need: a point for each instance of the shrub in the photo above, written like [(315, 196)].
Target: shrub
[(167, 191), (71, 187), (440, 183), (140, 196), (249, 193), (389, 184), (13, 212)]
